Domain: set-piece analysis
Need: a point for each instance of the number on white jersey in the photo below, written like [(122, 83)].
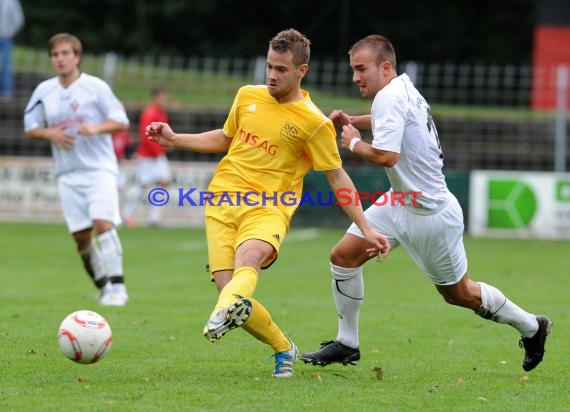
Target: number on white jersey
[(431, 127)]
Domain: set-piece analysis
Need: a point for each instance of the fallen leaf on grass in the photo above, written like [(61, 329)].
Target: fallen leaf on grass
[(378, 371)]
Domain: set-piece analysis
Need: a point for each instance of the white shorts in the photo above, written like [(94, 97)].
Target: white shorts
[(153, 170), (87, 196), (121, 180), (434, 240)]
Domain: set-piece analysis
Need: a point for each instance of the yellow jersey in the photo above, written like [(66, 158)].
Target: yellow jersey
[(274, 146)]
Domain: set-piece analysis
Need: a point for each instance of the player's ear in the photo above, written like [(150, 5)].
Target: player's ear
[(302, 70), (386, 66)]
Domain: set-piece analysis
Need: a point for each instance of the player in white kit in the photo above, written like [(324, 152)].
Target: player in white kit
[(77, 113), (429, 224)]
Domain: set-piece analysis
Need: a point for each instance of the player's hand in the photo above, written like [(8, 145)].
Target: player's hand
[(87, 129), (381, 245), (349, 132), (60, 138), (161, 133), (339, 118)]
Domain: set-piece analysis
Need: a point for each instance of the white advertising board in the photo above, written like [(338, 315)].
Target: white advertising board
[(28, 191), (519, 204)]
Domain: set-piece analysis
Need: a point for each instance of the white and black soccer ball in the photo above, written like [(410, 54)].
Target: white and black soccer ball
[(85, 336)]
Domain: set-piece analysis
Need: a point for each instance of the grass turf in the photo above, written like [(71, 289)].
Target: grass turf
[(418, 353)]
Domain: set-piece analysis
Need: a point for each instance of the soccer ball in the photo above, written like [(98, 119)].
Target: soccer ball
[(84, 336)]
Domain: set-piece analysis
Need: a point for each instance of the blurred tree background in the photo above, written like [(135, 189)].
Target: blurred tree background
[(485, 31)]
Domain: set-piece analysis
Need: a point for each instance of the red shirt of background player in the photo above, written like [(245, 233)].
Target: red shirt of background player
[(152, 113), (122, 141)]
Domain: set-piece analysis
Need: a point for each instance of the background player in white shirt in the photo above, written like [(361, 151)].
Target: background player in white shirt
[(77, 113), (406, 143)]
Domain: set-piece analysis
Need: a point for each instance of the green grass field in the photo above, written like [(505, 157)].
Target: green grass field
[(418, 353)]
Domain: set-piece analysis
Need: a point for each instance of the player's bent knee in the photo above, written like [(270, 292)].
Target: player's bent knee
[(340, 259)]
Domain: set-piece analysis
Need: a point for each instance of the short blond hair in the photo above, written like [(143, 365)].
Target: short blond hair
[(295, 42), (65, 38)]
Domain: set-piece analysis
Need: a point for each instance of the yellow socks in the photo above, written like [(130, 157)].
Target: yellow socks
[(243, 284), (261, 326)]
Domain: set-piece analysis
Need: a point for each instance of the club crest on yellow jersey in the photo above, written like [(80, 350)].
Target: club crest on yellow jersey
[(289, 131)]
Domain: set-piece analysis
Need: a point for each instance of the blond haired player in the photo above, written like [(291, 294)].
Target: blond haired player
[(77, 113), (273, 136)]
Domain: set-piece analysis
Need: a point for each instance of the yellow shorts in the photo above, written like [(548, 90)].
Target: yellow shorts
[(227, 227)]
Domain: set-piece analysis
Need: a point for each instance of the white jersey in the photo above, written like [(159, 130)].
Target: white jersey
[(87, 100), (402, 123)]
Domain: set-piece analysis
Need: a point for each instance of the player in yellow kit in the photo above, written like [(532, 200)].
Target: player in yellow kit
[(273, 136)]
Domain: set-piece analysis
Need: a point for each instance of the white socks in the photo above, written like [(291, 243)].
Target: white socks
[(92, 262), (348, 293), (111, 253), (495, 306)]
